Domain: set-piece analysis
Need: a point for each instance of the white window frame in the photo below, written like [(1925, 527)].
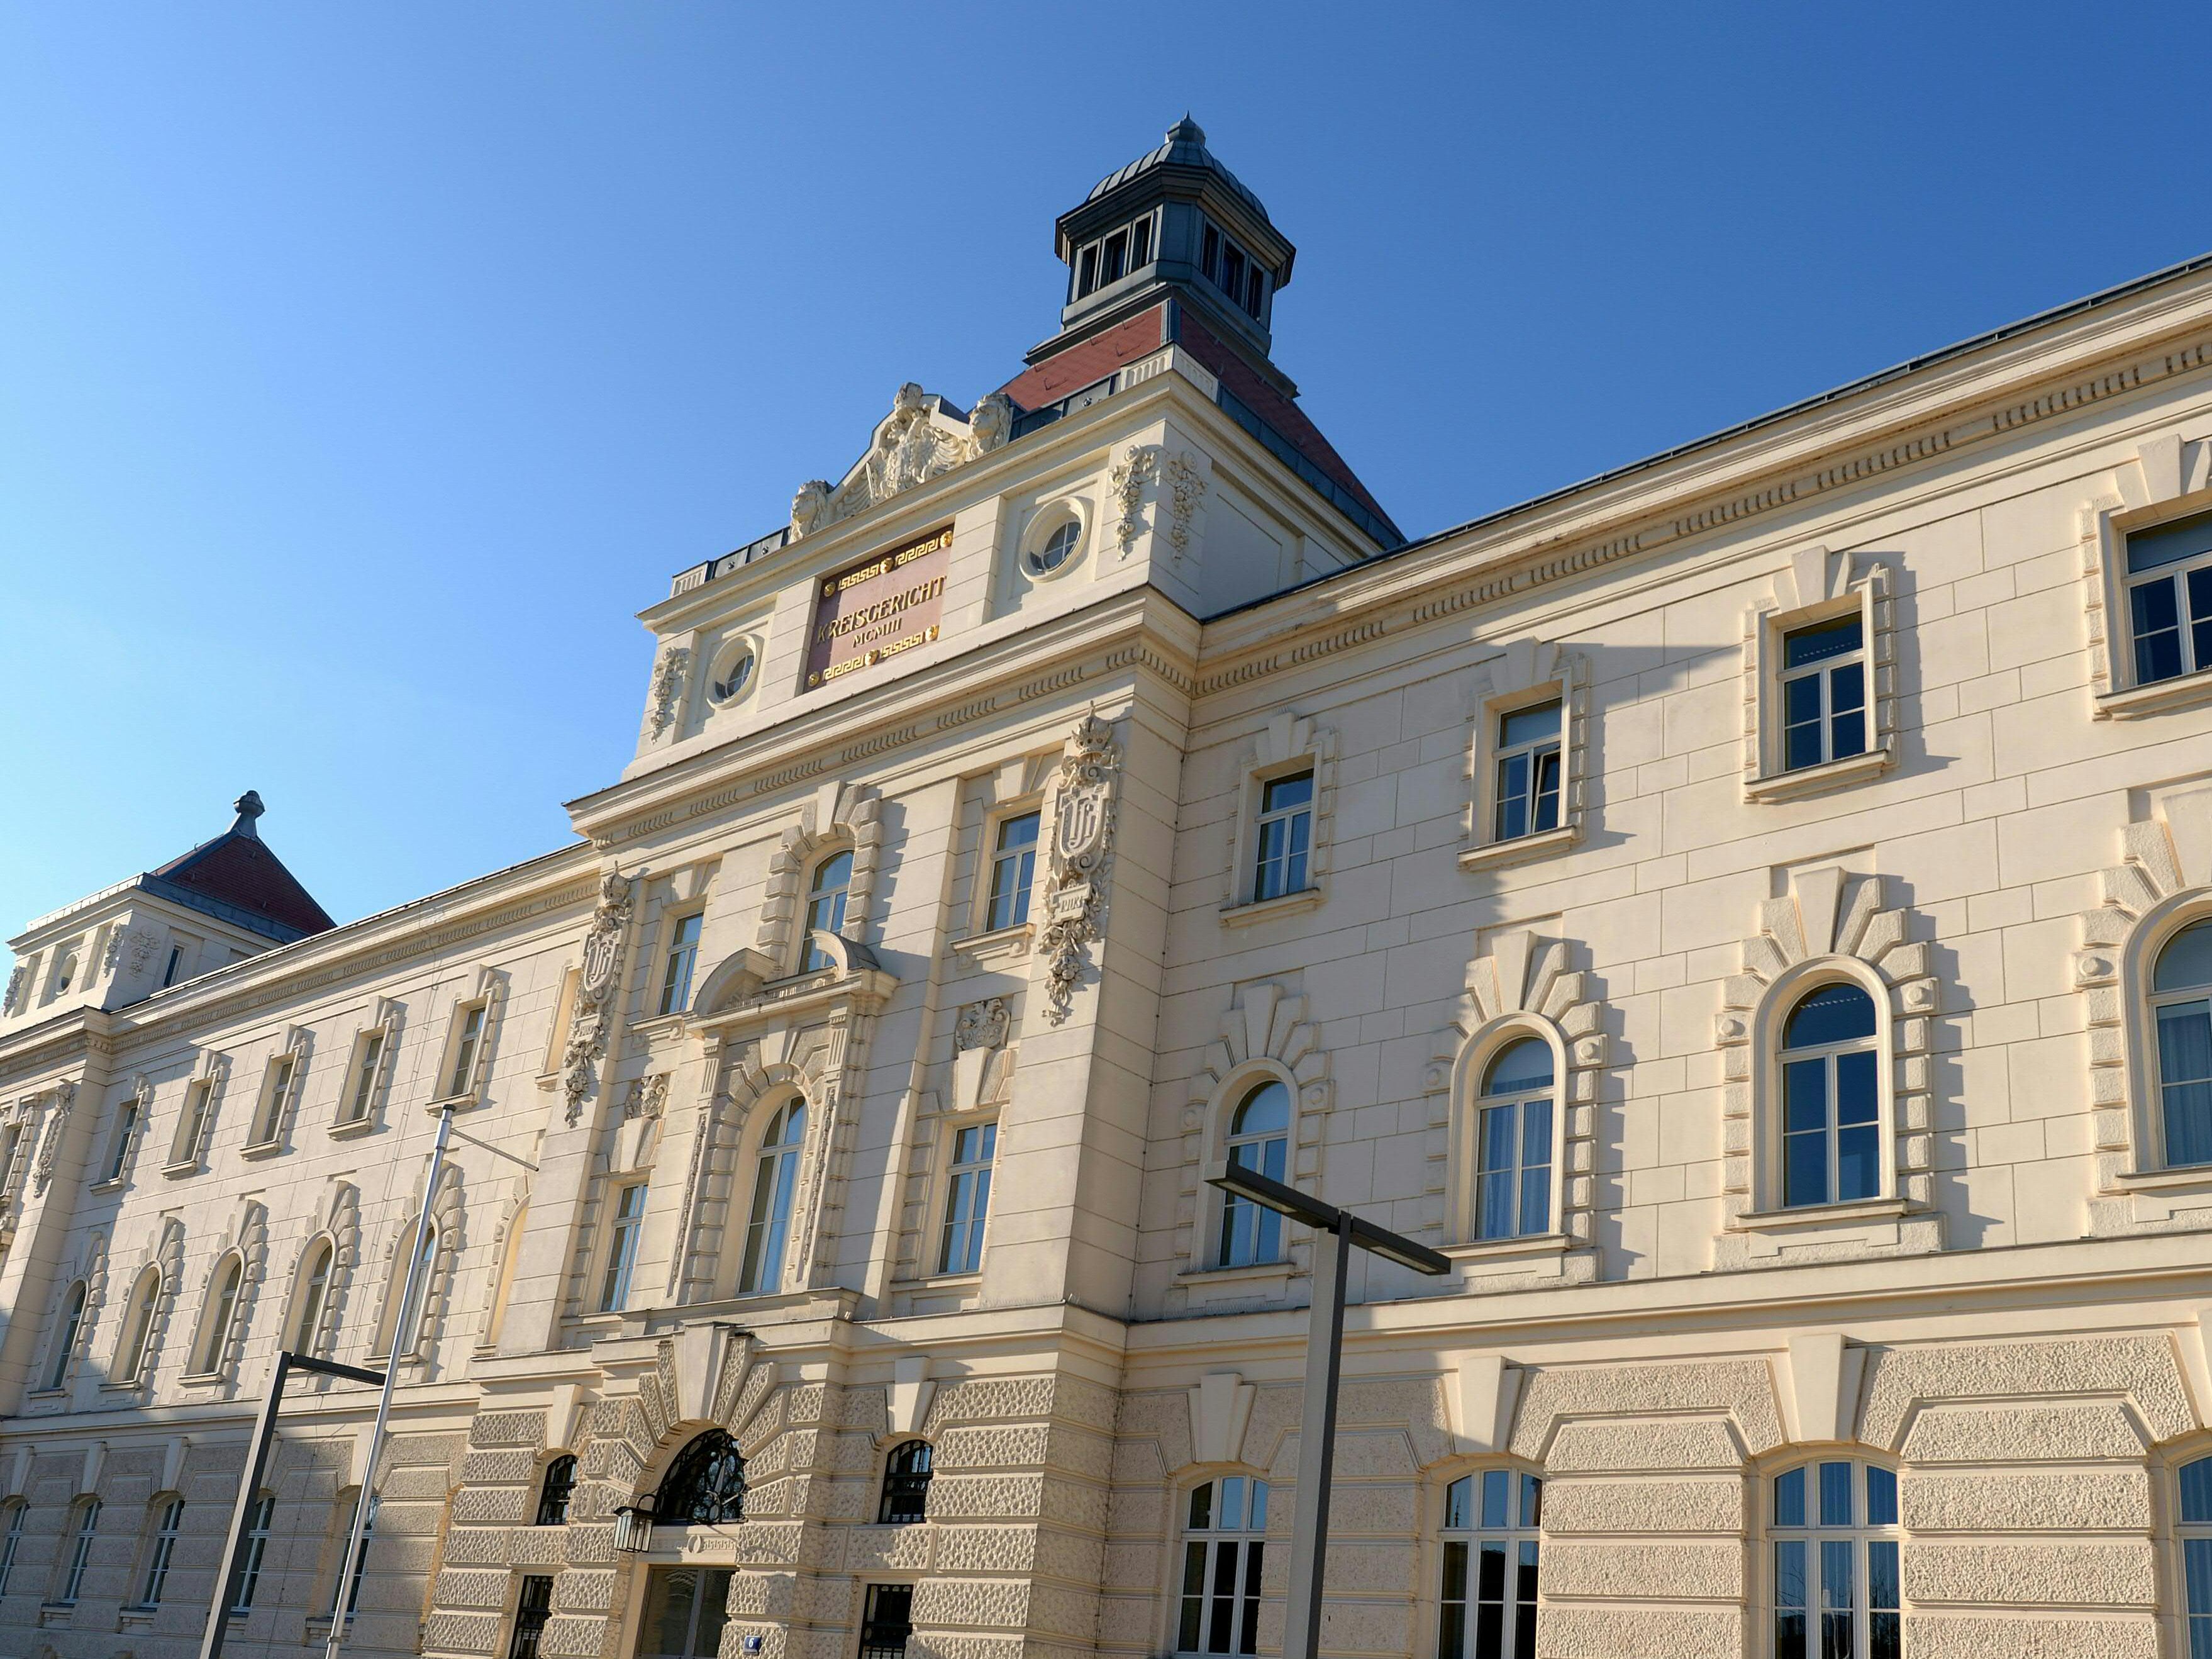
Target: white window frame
[(1829, 1056), (1533, 750), (1246, 1599), (1242, 1086), (74, 1311), (75, 1558), (1859, 1535), (1526, 675), (625, 1232), (1522, 1528), (166, 1511), (1049, 518), (283, 1080), (2165, 483), (1781, 997), (745, 1190), (811, 893), (1289, 744), (299, 1335), (485, 999), (211, 1341), (672, 996), (201, 1108), (1468, 1193), (978, 1227), (1818, 588), (991, 857), (131, 1115), (2186, 1532), (369, 1075)]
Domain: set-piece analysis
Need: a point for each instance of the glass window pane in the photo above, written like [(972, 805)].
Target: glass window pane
[(2167, 544), (2185, 963), (1497, 1485), (1834, 1014), (1543, 813), (1804, 1095), (1858, 1164), (1232, 1504), (2197, 1494), (2197, 1570), (2157, 631), (1881, 1573), (1525, 1065), (1835, 1506), (1804, 1169), (1265, 1110), (1856, 1100), (1459, 1501), (1790, 1499), (1802, 645), (1512, 796), (1528, 725), (1532, 1501), (1285, 792), (1789, 1573), (1881, 1498)]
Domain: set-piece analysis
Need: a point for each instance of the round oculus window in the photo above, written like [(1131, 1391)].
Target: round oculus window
[(1059, 547), (736, 675)]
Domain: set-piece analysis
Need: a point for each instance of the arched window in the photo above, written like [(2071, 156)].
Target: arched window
[(138, 1327), (2181, 1002), (1224, 1547), (1259, 1138), (397, 1343), (825, 906), (1835, 1561), (349, 1583), (1513, 1144), (509, 1259), (560, 1487), (247, 1578), (705, 1485), (1831, 1099), (11, 1542), (72, 1325), (222, 1304), (775, 1178), (166, 1529), (906, 1483), (314, 1287), (84, 1523), (2193, 1526), (1492, 1521)]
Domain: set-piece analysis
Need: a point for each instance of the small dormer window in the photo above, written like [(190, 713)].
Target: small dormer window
[(1114, 259), (1232, 271), (1087, 271)]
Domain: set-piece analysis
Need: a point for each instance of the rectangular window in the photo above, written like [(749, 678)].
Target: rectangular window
[(1824, 693), (621, 1249), (1527, 771), (1516, 1159), (361, 1086), (887, 1621), (1209, 253), (968, 1201), (1255, 290), (1284, 838), (683, 953), (2170, 599), (534, 1607), (1232, 271), (176, 961), (81, 1550), (1013, 869), (274, 1088), (14, 1541), (192, 1127), (1086, 276), (465, 1049), (1140, 244), (1491, 1524), (1831, 1150), (1114, 259), (351, 1582), (126, 1124), (2184, 1079), (10, 1145)]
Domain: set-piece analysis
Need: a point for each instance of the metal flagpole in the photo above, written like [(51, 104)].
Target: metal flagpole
[(340, 1614), (1337, 1233)]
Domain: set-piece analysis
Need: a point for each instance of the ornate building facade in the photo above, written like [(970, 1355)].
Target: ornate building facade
[(1751, 910)]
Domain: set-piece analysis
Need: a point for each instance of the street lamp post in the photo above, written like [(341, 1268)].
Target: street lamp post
[(1337, 1233)]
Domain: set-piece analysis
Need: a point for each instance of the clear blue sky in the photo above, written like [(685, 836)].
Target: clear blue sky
[(364, 369)]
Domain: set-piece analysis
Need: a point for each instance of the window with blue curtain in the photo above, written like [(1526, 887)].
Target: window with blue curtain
[(1831, 1099), (1513, 1143), (2181, 1003)]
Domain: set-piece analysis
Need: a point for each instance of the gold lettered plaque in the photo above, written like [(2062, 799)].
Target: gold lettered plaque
[(888, 604)]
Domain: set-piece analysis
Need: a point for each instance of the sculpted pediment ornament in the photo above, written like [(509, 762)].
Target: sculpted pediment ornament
[(923, 438), (746, 988)]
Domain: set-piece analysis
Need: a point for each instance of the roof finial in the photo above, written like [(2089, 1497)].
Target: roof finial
[(249, 807), (1186, 131)]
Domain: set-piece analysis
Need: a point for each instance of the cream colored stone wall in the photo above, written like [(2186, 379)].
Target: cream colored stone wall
[(2016, 1325)]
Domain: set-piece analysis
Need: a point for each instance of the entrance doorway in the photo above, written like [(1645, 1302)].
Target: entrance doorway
[(685, 1608)]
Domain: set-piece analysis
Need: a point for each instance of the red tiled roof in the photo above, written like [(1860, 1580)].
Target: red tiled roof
[(240, 870), (1078, 366), (1271, 406)]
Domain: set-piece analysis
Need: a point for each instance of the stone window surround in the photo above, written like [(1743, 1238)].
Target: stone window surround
[(212, 1073), (2165, 481), (276, 1113), (946, 1129), (90, 1273), (386, 1015), (1831, 926), (981, 938), (749, 635), (1064, 506), (141, 1095), (1232, 1092), (335, 1232), (835, 817), (166, 1258), (1761, 1470), (745, 1166), (1818, 587), (446, 1216), (203, 1331), (1286, 746), (486, 993), (1526, 672)]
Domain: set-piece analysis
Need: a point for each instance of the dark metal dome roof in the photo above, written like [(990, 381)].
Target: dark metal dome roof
[(1185, 146)]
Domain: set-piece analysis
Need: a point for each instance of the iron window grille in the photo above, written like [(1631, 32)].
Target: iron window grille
[(886, 1621), (905, 1485), (705, 1484), (559, 1487), (533, 1608)]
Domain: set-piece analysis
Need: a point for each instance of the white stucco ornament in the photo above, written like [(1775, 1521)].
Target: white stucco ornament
[(594, 1016), (921, 438), (1082, 843)]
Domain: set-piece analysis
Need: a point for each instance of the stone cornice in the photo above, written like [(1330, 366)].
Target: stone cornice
[(1994, 392), (561, 881), (1139, 628)]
